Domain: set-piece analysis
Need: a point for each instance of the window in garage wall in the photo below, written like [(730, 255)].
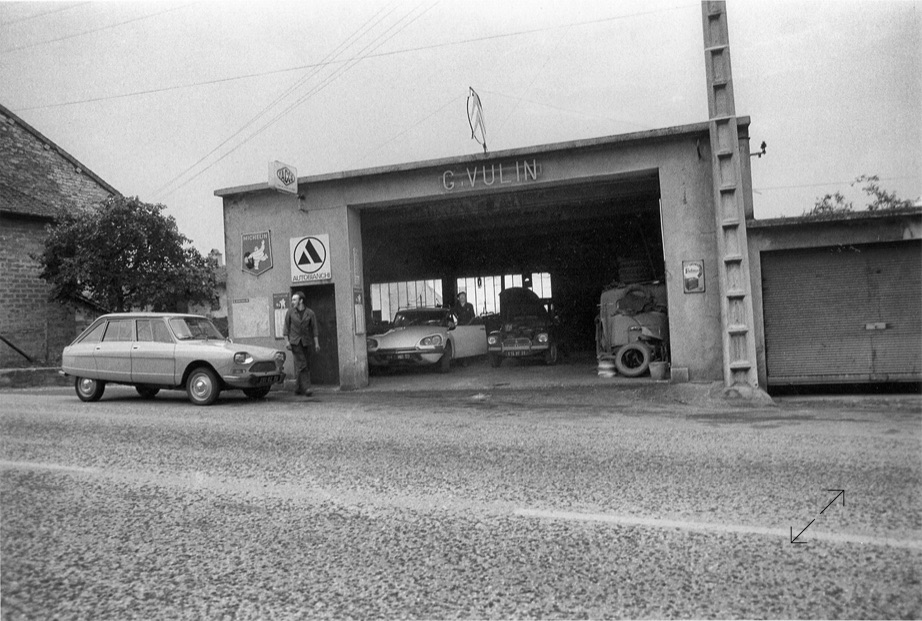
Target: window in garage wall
[(483, 291), (388, 298)]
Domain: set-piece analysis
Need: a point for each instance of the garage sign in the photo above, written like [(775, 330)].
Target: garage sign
[(310, 258)]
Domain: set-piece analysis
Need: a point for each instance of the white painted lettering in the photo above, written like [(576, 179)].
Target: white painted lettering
[(473, 178), (492, 175), (501, 180), (533, 170), (446, 180)]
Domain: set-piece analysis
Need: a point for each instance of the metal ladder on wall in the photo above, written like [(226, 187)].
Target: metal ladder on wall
[(736, 315)]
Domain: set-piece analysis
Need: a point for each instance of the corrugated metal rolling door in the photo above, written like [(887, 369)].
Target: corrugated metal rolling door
[(843, 314)]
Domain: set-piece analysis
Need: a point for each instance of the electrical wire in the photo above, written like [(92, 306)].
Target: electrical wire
[(86, 32), (37, 15), (407, 50), (328, 80), (370, 23), (818, 185)]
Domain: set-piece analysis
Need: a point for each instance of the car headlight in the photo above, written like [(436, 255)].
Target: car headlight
[(542, 338), (280, 357), (492, 340), (242, 357), (371, 344), (430, 341)]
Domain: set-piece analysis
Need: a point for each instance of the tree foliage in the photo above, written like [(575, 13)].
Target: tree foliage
[(878, 199), (125, 254)]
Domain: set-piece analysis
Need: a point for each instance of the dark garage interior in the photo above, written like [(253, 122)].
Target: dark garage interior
[(587, 236)]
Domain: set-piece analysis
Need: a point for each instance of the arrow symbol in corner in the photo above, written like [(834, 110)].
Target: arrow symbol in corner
[(841, 493), (794, 539)]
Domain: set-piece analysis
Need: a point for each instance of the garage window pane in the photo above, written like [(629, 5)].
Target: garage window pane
[(388, 298), (541, 285)]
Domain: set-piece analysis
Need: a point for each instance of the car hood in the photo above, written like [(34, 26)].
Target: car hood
[(257, 351), (406, 337)]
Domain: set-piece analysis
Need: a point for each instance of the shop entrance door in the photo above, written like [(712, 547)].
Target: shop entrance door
[(325, 363)]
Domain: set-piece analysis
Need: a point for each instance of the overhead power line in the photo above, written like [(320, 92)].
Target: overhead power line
[(822, 184), (406, 50), (86, 32), (10, 22), (377, 42)]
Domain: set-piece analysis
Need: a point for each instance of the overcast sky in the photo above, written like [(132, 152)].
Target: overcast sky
[(170, 101)]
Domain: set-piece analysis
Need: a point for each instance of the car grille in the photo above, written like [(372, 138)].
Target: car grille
[(265, 366), (511, 343)]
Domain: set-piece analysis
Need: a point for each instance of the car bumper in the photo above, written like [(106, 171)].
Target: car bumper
[(253, 380), (404, 357), (518, 351)]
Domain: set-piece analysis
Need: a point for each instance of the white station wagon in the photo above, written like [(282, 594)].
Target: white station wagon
[(154, 351)]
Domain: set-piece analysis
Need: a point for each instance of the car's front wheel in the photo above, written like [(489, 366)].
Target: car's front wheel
[(147, 392), (256, 393), (89, 389), (203, 386)]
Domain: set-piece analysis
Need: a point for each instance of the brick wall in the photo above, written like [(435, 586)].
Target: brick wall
[(36, 168), (33, 324)]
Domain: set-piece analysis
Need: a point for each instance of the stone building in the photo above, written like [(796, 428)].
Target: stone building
[(37, 179)]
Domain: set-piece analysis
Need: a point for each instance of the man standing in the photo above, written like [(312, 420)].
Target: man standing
[(303, 340), (463, 310)]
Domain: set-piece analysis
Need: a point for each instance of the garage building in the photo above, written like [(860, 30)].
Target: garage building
[(568, 219)]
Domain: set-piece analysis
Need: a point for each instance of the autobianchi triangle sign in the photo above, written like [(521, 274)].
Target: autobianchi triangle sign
[(310, 258)]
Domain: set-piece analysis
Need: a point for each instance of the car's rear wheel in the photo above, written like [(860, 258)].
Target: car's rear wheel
[(256, 393), (551, 355), (495, 360), (632, 359), (203, 386), (89, 389), (445, 361), (147, 392)]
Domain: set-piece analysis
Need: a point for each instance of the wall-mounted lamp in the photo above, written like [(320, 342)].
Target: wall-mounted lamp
[(759, 153)]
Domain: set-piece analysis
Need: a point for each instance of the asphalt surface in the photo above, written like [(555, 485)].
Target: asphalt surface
[(594, 501)]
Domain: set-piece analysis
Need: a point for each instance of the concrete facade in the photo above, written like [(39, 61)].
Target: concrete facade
[(678, 157), (37, 179)]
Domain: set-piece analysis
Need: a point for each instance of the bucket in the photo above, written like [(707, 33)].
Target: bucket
[(659, 370), (607, 368)]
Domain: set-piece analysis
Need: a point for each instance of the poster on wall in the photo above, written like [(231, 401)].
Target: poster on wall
[(693, 276), (256, 250), (279, 310), (310, 259), (251, 317), (359, 308)]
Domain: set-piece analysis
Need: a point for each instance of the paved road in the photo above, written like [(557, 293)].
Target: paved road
[(588, 503)]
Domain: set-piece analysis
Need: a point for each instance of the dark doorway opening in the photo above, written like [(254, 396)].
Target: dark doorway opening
[(325, 363)]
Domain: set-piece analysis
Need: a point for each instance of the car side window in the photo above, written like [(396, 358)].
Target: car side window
[(145, 332), (119, 330), (161, 332), (94, 335)]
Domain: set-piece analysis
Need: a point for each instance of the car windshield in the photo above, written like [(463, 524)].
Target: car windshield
[(197, 328), (434, 317)]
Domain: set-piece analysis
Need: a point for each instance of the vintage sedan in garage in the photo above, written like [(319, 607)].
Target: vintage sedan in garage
[(527, 330), (154, 351), (426, 336)]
